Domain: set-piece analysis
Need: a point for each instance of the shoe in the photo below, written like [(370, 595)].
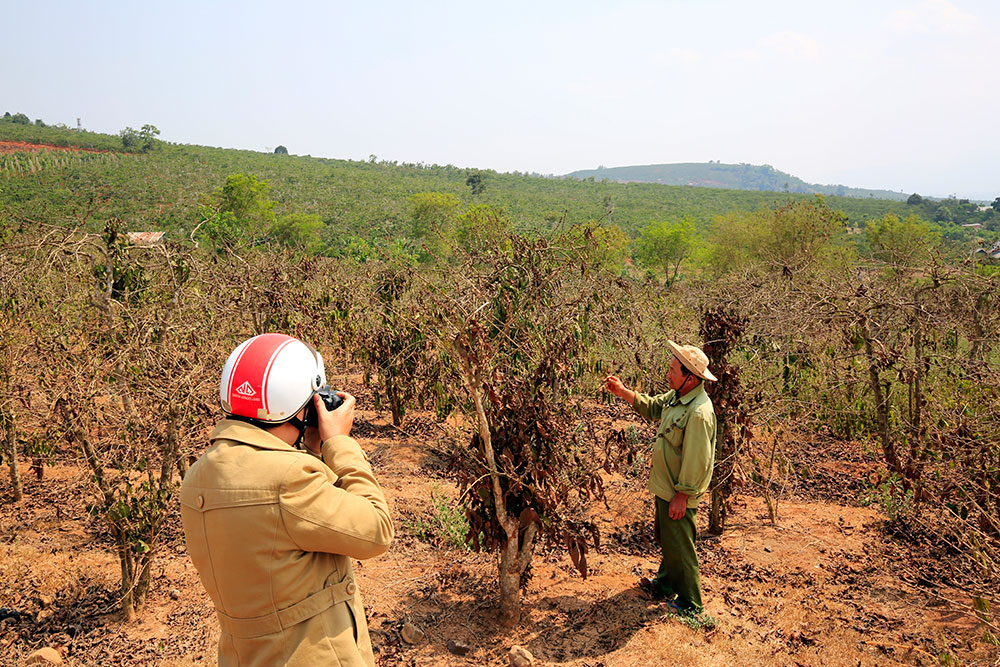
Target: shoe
[(649, 589), (671, 606)]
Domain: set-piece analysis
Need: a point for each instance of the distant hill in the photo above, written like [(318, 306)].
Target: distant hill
[(730, 176)]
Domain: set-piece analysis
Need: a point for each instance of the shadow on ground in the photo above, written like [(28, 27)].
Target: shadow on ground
[(556, 629)]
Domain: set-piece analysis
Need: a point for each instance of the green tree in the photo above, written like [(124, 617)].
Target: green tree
[(664, 245), (789, 238), (481, 226), (434, 221), (906, 242), (914, 200), (996, 204), (476, 182), (142, 140), (130, 139), (280, 150), (238, 212), (598, 246), (147, 137), (298, 230), (247, 198)]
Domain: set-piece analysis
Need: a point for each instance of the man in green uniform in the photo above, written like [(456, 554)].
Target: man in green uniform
[(682, 460)]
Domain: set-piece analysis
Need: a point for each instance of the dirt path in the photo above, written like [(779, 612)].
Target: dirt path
[(816, 589)]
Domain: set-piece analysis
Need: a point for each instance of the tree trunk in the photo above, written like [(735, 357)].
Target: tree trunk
[(128, 580), (171, 445), (917, 393), (881, 403), (716, 519), (513, 560), (125, 557), (10, 451), (978, 331), (510, 584), (142, 581), (395, 404), (183, 463)]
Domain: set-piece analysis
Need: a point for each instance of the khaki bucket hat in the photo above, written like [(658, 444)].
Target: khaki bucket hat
[(693, 359)]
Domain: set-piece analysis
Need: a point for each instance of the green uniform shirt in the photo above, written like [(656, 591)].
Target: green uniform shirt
[(684, 450)]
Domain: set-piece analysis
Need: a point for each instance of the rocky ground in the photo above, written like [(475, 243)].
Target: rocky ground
[(824, 585)]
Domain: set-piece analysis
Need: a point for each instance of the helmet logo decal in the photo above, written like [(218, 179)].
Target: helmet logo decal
[(245, 389)]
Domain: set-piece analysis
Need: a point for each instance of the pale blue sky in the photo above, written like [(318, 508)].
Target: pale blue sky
[(896, 94)]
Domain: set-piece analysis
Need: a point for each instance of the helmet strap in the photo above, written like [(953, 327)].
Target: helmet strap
[(301, 425)]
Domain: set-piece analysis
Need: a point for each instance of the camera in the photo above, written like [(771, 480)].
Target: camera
[(330, 399)]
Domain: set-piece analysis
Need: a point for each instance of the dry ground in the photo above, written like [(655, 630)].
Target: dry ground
[(824, 586)]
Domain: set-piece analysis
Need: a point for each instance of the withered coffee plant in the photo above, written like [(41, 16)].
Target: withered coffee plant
[(518, 322), (117, 361), (721, 328)]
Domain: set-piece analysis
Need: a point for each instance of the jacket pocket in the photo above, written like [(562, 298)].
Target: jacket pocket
[(341, 631), (673, 427), (354, 619), (204, 499), (339, 577), (673, 433)]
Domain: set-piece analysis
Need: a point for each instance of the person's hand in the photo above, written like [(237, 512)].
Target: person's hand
[(616, 387), (334, 422), (678, 506)]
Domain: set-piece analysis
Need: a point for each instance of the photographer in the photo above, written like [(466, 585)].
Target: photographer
[(272, 528)]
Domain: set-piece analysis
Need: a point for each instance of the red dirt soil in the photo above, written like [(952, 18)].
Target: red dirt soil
[(826, 585), (7, 147)]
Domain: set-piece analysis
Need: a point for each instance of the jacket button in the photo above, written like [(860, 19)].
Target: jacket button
[(201, 501), (351, 587)]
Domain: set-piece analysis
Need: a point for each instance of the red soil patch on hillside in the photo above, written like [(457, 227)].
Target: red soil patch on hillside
[(24, 147)]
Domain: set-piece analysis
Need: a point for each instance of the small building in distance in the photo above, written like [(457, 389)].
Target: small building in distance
[(993, 253)]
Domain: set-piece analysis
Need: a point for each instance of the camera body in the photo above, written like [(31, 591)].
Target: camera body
[(330, 399)]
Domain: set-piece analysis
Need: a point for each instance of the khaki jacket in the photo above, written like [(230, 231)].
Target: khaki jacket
[(272, 531), (683, 454)]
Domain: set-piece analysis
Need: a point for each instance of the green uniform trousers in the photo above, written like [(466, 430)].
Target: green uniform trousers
[(678, 574)]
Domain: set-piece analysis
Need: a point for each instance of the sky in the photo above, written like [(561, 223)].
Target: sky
[(902, 95)]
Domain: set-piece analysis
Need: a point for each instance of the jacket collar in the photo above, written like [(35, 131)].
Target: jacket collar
[(692, 393), (232, 429)]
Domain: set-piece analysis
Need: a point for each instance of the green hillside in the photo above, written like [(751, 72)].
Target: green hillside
[(166, 188), (732, 176)]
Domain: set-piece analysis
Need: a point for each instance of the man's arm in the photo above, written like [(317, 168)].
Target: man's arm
[(350, 517), (650, 407)]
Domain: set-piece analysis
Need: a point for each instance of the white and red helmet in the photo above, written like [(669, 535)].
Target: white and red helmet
[(269, 378)]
